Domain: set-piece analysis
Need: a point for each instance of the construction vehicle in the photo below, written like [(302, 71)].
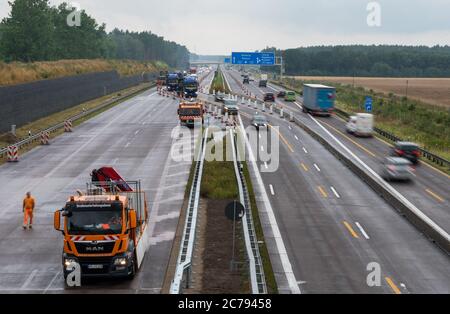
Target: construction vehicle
[(162, 78), (191, 112), (172, 82), (105, 229), (190, 86)]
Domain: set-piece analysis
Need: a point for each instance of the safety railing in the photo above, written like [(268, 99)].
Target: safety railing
[(183, 269), (257, 277), (36, 137)]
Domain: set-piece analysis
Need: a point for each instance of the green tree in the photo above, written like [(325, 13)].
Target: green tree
[(27, 33)]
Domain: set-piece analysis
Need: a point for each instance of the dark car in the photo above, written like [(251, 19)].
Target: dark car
[(269, 97), (281, 94), (407, 150), (260, 121)]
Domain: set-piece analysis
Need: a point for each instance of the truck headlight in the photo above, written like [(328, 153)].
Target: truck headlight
[(69, 261), (122, 261)]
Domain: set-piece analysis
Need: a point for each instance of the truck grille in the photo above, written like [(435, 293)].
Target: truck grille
[(98, 248), (95, 266)]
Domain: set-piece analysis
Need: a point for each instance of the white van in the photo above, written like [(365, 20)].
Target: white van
[(361, 124)]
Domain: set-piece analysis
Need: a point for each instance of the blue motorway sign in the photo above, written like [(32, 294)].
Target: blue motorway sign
[(227, 60), (253, 58), (368, 104)]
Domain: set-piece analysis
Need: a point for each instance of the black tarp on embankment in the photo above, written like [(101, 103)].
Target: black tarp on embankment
[(24, 103)]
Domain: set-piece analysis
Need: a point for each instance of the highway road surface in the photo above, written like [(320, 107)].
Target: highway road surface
[(135, 138), (333, 225)]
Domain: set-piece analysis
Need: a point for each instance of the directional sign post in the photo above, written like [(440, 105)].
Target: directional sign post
[(368, 104), (253, 58)]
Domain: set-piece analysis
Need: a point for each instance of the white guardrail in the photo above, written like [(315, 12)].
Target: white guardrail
[(37, 136), (184, 262)]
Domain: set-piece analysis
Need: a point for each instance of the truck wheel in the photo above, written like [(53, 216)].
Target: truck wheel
[(133, 269)]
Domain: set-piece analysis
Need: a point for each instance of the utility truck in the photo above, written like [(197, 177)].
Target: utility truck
[(191, 112), (105, 229)]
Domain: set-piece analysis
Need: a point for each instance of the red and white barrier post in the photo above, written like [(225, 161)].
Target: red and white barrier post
[(13, 153)]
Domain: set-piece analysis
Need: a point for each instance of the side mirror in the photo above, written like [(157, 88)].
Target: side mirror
[(132, 218), (57, 220)]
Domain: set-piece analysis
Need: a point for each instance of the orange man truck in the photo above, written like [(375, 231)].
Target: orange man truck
[(189, 112), (105, 230)]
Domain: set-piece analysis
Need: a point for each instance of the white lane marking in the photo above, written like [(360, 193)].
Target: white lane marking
[(296, 137), (276, 90), (128, 144), (265, 165), (29, 279), (259, 135), (362, 231), (304, 149), (335, 192), (389, 187), (115, 161), (298, 105), (272, 191), (136, 133), (289, 127), (51, 282), (317, 167), (262, 148), (280, 247)]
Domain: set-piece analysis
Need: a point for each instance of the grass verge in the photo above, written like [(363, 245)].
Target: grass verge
[(412, 120), (218, 83)]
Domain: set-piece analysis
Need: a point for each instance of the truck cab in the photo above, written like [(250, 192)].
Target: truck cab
[(263, 80), (105, 232), (172, 82), (190, 86), (190, 113)]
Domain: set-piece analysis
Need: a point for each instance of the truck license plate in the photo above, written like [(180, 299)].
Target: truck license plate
[(95, 266)]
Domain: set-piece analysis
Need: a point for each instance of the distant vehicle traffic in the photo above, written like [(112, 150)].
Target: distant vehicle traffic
[(407, 150), (361, 124), (260, 121), (246, 79), (281, 94), (172, 82), (290, 96), (190, 85), (269, 97), (231, 106), (318, 99), (396, 168), (263, 80), (219, 97)]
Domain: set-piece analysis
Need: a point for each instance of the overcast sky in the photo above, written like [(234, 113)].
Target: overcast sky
[(222, 26)]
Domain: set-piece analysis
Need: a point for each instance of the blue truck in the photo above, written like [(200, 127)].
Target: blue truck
[(172, 82), (318, 99), (190, 85)]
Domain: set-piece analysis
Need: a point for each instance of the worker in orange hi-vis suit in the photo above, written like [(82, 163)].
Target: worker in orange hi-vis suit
[(28, 207)]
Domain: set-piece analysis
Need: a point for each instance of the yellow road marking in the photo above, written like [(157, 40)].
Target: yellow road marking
[(322, 191), (350, 229), (304, 167), (283, 139), (440, 199), (391, 283), (351, 140)]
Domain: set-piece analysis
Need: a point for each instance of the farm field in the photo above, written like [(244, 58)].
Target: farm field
[(434, 91)]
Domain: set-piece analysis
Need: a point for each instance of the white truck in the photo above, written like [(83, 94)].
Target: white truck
[(361, 124)]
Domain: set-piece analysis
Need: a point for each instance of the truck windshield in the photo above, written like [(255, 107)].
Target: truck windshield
[(190, 112), (95, 220)]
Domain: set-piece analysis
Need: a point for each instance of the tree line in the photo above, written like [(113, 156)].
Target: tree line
[(361, 60), (36, 31)]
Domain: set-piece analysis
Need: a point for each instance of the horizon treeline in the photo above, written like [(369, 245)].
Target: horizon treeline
[(36, 31)]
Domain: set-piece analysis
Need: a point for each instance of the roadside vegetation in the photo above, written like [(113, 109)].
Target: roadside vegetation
[(412, 120), (218, 83), (21, 72)]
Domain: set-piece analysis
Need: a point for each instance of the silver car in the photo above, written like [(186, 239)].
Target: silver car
[(397, 168)]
